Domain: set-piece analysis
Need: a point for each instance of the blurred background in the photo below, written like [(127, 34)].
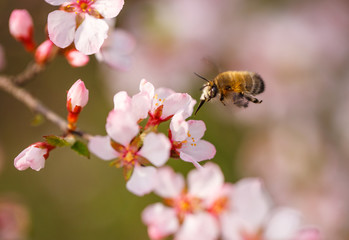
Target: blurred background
[(296, 140)]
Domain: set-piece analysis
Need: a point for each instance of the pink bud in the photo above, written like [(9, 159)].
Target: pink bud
[(77, 97), (76, 58), (45, 52), (21, 28), (33, 156)]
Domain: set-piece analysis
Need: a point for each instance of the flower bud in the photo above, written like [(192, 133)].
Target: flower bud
[(33, 156), (76, 58), (21, 28), (45, 52), (77, 97)]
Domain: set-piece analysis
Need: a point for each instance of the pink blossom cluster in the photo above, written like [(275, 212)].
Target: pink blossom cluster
[(135, 143), (208, 208)]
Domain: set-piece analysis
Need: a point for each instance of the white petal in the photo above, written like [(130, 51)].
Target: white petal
[(161, 221), (122, 126), (206, 181), (122, 101), (56, 2), (109, 8), (198, 151), (100, 146), (116, 49), (141, 104), (168, 184), (284, 224), (251, 202), (147, 87), (160, 95), (197, 129), (201, 226), (231, 226), (142, 181), (156, 148), (90, 35), (175, 103), (61, 28), (179, 127)]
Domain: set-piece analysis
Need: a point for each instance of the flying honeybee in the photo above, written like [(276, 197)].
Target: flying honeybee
[(240, 87)]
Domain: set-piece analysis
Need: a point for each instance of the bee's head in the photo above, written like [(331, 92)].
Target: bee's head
[(209, 91)]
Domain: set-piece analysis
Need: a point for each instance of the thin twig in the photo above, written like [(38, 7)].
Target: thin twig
[(35, 105), (29, 73)]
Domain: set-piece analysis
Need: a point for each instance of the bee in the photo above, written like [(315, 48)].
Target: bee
[(240, 87)]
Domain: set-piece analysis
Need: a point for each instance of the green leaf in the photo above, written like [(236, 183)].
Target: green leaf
[(81, 148), (37, 120), (56, 141)]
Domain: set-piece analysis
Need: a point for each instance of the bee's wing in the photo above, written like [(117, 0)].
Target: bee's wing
[(235, 98)]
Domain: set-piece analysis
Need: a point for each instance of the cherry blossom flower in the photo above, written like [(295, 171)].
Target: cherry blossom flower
[(131, 152), (188, 212), (253, 217), (186, 140), (21, 28), (81, 22), (33, 156), (165, 103)]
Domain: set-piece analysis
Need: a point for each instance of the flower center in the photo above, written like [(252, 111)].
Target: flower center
[(219, 206), (186, 204)]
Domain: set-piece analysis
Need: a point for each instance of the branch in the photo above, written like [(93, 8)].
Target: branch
[(35, 105), (30, 72)]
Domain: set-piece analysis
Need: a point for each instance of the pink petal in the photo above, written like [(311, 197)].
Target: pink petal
[(156, 148), (147, 87), (159, 97), (32, 157), (61, 28), (109, 8), (21, 24), (174, 103), (179, 127), (76, 58), (116, 50), (206, 181), (100, 146), (168, 184), (197, 128), (141, 104), (56, 2), (309, 233), (90, 35), (77, 95), (198, 151), (142, 181), (198, 226), (161, 221), (122, 101), (251, 202), (122, 126), (232, 226), (284, 224)]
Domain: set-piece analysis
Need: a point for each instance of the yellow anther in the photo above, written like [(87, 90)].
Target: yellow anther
[(189, 134)]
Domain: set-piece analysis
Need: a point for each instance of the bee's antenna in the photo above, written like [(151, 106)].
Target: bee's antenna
[(200, 105), (201, 77)]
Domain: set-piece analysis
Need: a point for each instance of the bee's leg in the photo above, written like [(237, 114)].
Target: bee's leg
[(222, 99), (251, 98)]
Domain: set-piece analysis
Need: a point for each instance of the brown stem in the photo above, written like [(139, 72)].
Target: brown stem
[(30, 72), (35, 105)]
